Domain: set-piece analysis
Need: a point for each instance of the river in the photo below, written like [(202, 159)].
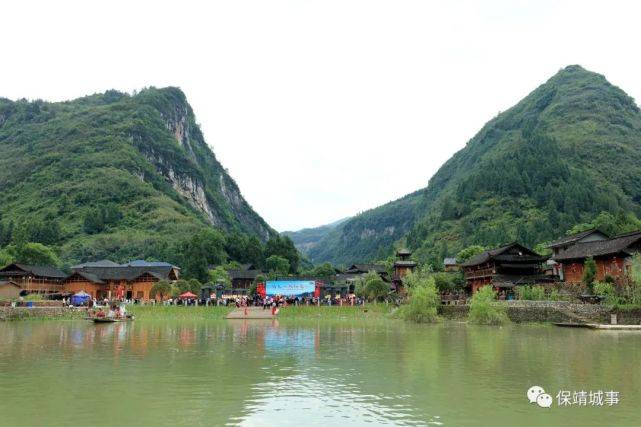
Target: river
[(255, 373)]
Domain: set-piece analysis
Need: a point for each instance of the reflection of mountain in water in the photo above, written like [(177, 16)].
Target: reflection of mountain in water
[(185, 373)]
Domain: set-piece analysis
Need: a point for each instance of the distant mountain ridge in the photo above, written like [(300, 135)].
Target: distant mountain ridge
[(569, 150), (307, 238), (119, 176)]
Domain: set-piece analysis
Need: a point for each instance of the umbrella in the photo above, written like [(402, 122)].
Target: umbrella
[(188, 295)]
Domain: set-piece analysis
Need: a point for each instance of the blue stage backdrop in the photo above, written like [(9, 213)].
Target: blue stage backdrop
[(290, 287)]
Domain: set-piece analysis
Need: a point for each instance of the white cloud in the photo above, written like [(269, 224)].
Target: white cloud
[(320, 109)]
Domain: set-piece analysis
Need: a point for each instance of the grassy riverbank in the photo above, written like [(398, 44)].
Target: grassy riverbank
[(178, 312)]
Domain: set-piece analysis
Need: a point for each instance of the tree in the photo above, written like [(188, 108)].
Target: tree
[(161, 289), (205, 248), (219, 276), (30, 253), (589, 272), (324, 270), (371, 287), (469, 252), (283, 246), (484, 308), (277, 265), (424, 300)]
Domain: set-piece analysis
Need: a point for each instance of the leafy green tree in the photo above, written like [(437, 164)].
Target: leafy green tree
[(219, 275), (283, 246), (423, 302), (469, 253), (277, 265), (324, 270), (485, 310), (194, 286), (31, 253), (205, 248), (161, 289), (589, 272)]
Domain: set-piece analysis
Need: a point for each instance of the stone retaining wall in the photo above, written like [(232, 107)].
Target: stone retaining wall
[(552, 311)]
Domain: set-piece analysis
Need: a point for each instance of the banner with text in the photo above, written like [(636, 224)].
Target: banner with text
[(290, 287)]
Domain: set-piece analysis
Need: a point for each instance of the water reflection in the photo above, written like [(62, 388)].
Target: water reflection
[(291, 373)]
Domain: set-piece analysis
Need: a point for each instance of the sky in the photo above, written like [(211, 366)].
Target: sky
[(320, 109)]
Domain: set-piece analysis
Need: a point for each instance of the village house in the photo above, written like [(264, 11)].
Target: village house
[(41, 279), (504, 268), (9, 290), (242, 279), (612, 257), (402, 266), (107, 279), (362, 269), (450, 265), (564, 243)]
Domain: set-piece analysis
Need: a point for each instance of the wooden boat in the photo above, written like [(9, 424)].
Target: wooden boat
[(111, 319)]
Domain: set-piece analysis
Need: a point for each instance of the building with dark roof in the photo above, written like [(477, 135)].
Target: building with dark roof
[(366, 268), (612, 257), (242, 280), (504, 267), (9, 290), (34, 278), (107, 279), (402, 266), (564, 243), (450, 265)]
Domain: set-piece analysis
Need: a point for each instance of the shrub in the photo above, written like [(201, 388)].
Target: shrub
[(423, 302), (607, 291), (532, 293), (589, 273), (485, 310)]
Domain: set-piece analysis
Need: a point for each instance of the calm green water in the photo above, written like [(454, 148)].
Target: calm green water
[(153, 373)]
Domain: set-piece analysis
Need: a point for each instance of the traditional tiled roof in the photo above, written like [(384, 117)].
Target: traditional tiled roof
[(575, 238), (243, 274), (101, 263), (124, 272), (620, 244), (403, 251), (499, 254), (365, 268), (404, 263), (449, 261), (45, 271), (143, 263)]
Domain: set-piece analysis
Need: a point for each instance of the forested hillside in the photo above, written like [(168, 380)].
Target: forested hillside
[(567, 152), (120, 177)]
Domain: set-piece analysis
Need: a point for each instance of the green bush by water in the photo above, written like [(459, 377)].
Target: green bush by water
[(485, 310), (423, 302)]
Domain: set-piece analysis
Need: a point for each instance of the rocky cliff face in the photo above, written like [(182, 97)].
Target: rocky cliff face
[(140, 159)]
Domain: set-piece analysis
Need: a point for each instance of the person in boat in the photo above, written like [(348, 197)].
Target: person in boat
[(112, 313), (100, 313)]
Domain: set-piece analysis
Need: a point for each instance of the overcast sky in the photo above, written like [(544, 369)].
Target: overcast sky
[(320, 109)]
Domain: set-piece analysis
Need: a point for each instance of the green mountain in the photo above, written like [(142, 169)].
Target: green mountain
[(568, 151), (307, 238), (114, 176)]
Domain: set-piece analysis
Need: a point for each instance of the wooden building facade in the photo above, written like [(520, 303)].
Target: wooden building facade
[(402, 267), (40, 279), (611, 256), (504, 268), (106, 279)]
